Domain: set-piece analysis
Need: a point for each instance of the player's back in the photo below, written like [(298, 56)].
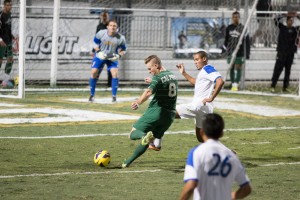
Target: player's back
[(217, 167), (164, 86)]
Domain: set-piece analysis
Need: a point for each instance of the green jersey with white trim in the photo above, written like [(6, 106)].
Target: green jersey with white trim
[(164, 86)]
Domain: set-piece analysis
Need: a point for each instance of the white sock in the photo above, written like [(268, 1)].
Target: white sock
[(157, 142)]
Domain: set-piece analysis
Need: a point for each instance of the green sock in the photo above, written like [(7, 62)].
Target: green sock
[(140, 149), (136, 134), (232, 74), (8, 68), (238, 75)]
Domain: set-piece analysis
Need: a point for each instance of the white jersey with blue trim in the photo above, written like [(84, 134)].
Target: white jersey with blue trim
[(215, 168), (205, 83), (109, 44)]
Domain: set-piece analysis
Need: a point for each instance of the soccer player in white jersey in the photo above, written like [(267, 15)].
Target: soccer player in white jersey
[(211, 168), (109, 46), (208, 84)]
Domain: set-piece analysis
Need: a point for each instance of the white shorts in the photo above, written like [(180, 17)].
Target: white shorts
[(187, 111)]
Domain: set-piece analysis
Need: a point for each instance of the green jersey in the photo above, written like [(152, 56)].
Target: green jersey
[(164, 86)]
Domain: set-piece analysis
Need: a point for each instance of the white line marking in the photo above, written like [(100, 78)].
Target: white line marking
[(126, 134), (256, 143), (77, 173), (294, 148), (281, 163)]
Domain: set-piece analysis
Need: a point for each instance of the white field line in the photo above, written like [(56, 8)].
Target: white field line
[(77, 173), (126, 134), (294, 148), (281, 163), (256, 142), (114, 171)]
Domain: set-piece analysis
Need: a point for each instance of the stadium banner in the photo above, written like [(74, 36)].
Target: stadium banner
[(190, 34), (75, 38)]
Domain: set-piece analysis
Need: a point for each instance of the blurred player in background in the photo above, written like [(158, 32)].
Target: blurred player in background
[(6, 38), (286, 49), (211, 168), (160, 113), (103, 22), (208, 84), (232, 36), (109, 46)]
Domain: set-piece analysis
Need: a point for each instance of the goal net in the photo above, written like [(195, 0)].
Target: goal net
[(171, 29)]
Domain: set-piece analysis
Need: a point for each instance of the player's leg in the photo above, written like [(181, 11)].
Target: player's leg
[(161, 128), (2, 53), (96, 68), (140, 129), (277, 70), (9, 61), (237, 73), (287, 72), (183, 111), (109, 78), (113, 68)]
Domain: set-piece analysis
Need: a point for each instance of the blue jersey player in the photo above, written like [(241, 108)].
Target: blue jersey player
[(109, 46)]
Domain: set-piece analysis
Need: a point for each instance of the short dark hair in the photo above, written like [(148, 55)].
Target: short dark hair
[(213, 125), (202, 54), (236, 13), (6, 1), (154, 58)]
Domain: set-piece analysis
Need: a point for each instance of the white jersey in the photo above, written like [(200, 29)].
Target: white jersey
[(205, 84), (109, 44), (215, 168)]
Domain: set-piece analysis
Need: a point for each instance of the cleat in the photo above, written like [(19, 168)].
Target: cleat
[(124, 165), (234, 87), (285, 90), (153, 147), (114, 99), (148, 138), (272, 90), (92, 98)]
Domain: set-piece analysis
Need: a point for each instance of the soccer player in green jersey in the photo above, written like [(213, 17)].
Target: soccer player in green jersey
[(161, 111)]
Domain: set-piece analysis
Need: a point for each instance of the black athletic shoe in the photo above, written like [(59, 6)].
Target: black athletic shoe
[(92, 98), (114, 99)]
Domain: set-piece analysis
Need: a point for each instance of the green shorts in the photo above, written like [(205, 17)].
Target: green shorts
[(6, 51), (238, 60), (157, 120)]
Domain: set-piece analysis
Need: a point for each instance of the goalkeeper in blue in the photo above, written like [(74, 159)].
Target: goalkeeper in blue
[(109, 46)]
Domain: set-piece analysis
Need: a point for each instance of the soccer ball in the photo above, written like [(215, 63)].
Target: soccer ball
[(102, 158)]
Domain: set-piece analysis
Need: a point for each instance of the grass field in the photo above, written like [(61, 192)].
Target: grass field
[(54, 160)]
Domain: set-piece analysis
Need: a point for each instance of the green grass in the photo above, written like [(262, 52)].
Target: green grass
[(84, 180)]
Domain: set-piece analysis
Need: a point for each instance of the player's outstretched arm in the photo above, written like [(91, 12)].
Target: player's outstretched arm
[(186, 75), (242, 192), (144, 97)]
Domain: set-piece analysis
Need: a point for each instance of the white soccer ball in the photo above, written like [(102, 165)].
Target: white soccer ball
[(102, 158)]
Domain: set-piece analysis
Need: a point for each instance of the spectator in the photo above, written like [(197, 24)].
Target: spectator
[(182, 40), (286, 48)]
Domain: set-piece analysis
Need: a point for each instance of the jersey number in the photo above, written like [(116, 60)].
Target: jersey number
[(221, 168), (172, 90)]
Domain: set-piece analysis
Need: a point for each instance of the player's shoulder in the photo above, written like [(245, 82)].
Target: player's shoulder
[(209, 69)]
